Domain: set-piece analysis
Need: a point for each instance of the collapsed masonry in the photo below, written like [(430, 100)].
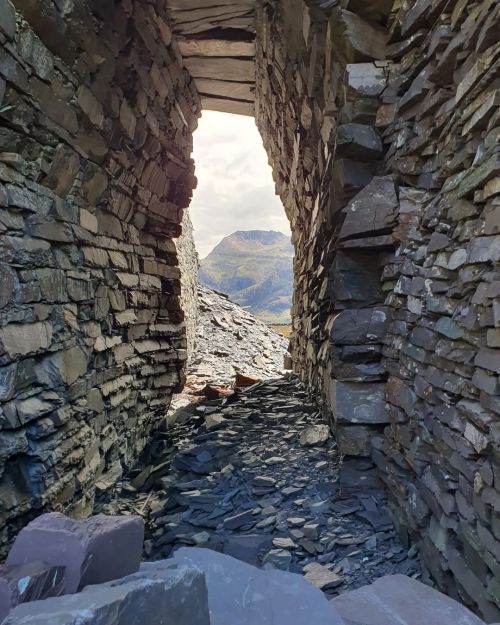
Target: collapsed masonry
[(381, 121)]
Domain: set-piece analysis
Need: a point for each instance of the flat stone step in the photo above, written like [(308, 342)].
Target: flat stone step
[(401, 600)]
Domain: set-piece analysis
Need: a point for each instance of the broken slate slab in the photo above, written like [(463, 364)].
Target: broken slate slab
[(161, 593), (401, 600), (358, 141), (374, 209), (28, 582), (239, 593), (95, 550)]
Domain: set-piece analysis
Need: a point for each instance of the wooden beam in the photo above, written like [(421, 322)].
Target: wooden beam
[(240, 23), (209, 15), (216, 47), (224, 105), (235, 70), (226, 89), (182, 5)]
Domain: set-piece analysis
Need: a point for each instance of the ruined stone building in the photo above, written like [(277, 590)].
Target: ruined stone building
[(381, 122)]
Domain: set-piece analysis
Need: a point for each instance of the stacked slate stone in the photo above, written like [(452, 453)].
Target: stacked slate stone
[(96, 114), (343, 206), (439, 457), (382, 125)]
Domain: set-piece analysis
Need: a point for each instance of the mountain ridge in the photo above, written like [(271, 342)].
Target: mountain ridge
[(255, 269)]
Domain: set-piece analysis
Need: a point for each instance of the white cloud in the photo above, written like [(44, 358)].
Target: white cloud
[(235, 185)]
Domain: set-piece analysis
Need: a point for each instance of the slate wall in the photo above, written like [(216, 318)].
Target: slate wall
[(320, 76), (97, 115), (382, 124), (439, 457)]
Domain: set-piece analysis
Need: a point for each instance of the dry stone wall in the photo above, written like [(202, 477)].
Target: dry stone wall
[(382, 122), (439, 457), (97, 114), (320, 77)]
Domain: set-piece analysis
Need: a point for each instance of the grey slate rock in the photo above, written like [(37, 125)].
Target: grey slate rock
[(400, 600), (28, 582), (359, 327), (161, 593), (358, 141), (314, 435), (362, 403), (93, 551), (374, 209), (243, 595)]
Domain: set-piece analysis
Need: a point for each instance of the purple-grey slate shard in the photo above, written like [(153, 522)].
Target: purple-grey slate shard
[(240, 594), (28, 582), (93, 550), (400, 600), (161, 593)]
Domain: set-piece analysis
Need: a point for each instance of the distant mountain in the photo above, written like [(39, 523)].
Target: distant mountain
[(254, 269)]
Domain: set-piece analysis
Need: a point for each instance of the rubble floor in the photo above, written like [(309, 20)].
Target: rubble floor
[(231, 474)]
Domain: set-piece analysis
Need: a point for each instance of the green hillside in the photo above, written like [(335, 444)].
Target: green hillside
[(254, 269)]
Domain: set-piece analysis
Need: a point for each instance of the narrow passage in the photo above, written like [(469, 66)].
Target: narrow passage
[(255, 474)]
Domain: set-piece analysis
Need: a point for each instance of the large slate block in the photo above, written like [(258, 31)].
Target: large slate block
[(359, 403), (28, 582), (359, 327), (241, 594), (93, 551), (161, 593), (373, 210), (359, 141), (400, 600), (355, 279), (354, 440)]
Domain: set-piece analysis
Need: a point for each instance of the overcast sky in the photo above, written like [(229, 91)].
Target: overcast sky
[(235, 185)]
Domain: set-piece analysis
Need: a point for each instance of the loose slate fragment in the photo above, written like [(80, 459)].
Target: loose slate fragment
[(321, 577), (28, 582), (314, 435)]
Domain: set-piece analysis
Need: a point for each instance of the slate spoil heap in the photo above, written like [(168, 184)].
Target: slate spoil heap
[(229, 341), (255, 475)]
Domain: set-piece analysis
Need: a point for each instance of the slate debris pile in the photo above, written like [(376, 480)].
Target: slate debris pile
[(241, 477), (230, 346)]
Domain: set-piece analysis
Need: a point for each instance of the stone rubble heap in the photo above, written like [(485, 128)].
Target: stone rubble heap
[(229, 339), (229, 345), (255, 476)]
